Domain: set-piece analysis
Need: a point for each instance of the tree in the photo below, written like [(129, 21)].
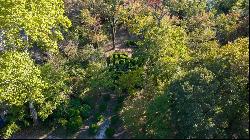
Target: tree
[(20, 84), (24, 86), (103, 12), (228, 6), (160, 53), (113, 8), (201, 31), (185, 8), (92, 22), (195, 87), (231, 19), (24, 22), (158, 9), (208, 101)]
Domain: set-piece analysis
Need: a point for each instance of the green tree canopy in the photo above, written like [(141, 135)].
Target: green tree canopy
[(24, 22)]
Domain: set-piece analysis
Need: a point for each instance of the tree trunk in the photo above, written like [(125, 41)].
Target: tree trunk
[(113, 32), (3, 111), (33, 113)]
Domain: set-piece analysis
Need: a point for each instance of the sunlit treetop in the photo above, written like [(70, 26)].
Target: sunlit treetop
[(24, 22)]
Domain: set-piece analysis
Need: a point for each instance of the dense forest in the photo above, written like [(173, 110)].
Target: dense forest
[(124, 69)]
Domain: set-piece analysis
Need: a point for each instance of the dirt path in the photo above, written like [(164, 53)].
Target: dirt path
[(120, 43), (45, 132), (37, 132)]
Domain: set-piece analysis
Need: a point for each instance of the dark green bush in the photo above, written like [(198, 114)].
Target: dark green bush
[(120, 99), (74, 123), (75, 102), (130, 43), (121, 62), (72, 116), (73, 112), (115, 119), (85, 110), (106, 97), (95, 116), (90, 100), (110, 132), (62, 122), (98, 118), (102, 107), (118, 107), (93, 129)]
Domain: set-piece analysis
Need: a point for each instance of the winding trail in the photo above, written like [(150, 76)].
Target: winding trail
[(101, 133)]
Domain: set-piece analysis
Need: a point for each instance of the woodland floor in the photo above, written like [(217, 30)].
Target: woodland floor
[(48, 132), (44, 131)]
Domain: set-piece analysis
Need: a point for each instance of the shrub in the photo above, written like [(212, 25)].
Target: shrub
[(98, 118), (131, 81), (85, 110), (75, 102), (93, 129), (110, 132), (73, 112), (9, 130), (62, 122), (106, 97), (120, 99), (102, 107), (95, 120), (74, 123), (120, 62), (118, 107), (130, 43), (115, 119), (90, 100)]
